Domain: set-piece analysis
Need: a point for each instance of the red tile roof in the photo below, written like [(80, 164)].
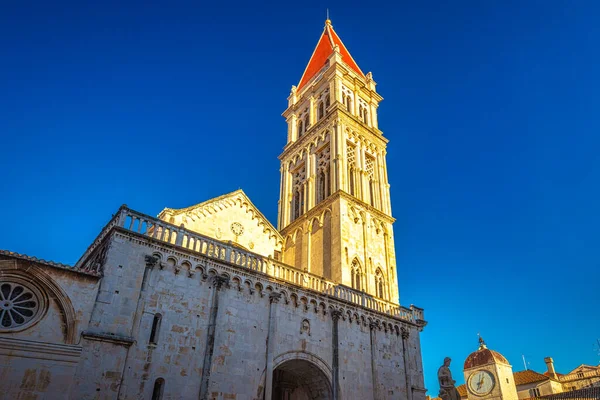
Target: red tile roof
[(462, 390), (483, 356), (322, 52), (528, 376)]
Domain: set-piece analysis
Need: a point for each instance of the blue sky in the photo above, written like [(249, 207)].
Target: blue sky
[(491, 109)]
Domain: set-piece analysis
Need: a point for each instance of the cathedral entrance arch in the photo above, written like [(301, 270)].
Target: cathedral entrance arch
[(300, 379)]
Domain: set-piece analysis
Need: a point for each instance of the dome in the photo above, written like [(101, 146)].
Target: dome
[(484, 356)]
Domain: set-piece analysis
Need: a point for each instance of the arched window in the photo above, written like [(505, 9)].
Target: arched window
[(321, 191), (327, 101), (348, 104), (306, 122), (356, 274), (159, 387), (372, 192), (379, 283), (300, 128), (155, 328), (321, 111)]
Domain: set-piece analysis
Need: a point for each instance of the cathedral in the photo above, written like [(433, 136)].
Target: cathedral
[(213, 301)]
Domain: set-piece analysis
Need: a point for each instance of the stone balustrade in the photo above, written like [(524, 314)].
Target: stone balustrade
[(157, 229)]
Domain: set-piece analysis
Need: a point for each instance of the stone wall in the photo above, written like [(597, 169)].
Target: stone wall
[(222, 332)]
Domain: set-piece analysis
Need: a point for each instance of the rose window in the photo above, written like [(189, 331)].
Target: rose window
[(18, 305)]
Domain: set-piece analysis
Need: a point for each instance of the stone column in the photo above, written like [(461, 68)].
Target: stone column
[(339, 157), (271, 334), (217, 283), (293, 128), (405, 334), (373, 329), (335, 364), (311, 111)]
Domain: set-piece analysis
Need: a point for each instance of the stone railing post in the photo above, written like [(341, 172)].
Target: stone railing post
[(122, 215), (179, 238)]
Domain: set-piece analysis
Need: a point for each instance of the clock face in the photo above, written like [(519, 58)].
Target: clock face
[(481, 382)]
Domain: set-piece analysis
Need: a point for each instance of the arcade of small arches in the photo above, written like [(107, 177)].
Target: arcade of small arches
[(209, 274)]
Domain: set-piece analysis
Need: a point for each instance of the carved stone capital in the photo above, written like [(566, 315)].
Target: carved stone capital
[(219, 281), (274, 297), (405, 333), (336, 315), (151, 261)]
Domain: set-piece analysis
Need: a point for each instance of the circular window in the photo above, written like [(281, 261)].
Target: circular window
[(20, 305), (237, 228)]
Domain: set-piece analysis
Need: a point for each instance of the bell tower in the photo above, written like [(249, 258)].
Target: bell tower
[(334, 205)]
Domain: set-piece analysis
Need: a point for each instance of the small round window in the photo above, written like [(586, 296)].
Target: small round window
[(20, 305)]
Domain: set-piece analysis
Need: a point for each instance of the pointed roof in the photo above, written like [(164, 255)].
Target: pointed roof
[(328, 40)]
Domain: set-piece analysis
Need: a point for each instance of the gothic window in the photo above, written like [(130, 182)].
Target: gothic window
[(321, 191), (363, 112), (379, 283), (347, 97), (21, 305), (351, 155), (298, 190), (370, 168), (356, 274), (159, 387), (303, 122), (155, 328), (323, 174)]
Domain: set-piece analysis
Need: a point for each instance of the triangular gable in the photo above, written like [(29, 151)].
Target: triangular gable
[(324, 49), (229, 218), (583, 368)]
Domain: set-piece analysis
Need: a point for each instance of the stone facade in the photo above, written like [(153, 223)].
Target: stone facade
[(213, 302)]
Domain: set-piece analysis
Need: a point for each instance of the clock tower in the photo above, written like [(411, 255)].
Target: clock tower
[(334, 206), (488, 375)]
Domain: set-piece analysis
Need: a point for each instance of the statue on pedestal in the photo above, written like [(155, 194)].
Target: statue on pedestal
[(447, 389)]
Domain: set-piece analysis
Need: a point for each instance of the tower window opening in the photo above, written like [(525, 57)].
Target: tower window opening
[(321, 111), (306, 122), (370, 169), (363, 112), (300, 128), (155, 328), (350, 157), (322, 187), (321, 194), (297, 206), (327, 101), (379, 283), (356, 274), (347, 98)]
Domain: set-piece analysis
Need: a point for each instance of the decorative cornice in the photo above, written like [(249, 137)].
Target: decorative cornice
[(25, 257)]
